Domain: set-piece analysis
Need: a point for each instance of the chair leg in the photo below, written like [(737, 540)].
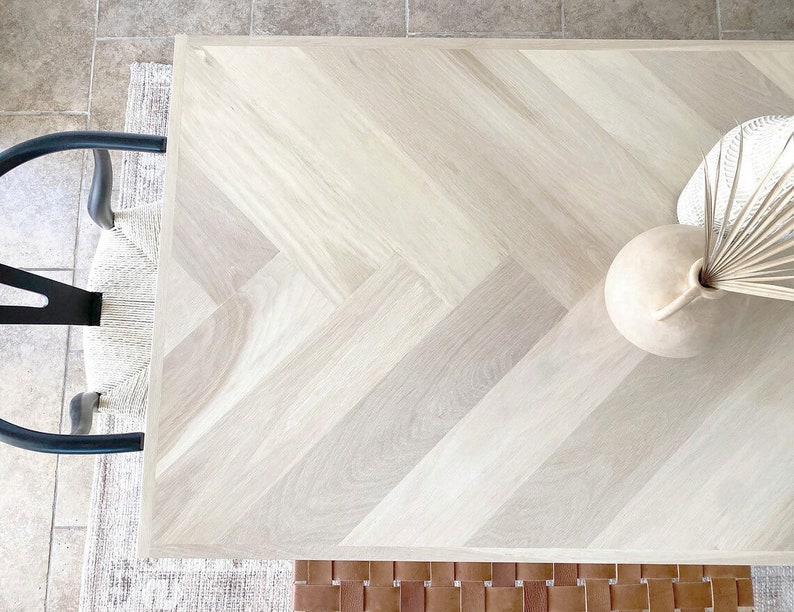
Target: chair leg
[(101, 189), (66, 305), (81, 411)]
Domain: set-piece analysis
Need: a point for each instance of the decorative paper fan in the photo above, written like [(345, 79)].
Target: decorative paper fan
[(755, 253)]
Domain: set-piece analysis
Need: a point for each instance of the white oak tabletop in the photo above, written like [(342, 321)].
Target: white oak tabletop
[(380, 328)]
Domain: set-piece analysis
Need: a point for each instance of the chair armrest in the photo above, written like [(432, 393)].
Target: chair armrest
[(102, 180), (42, 442)]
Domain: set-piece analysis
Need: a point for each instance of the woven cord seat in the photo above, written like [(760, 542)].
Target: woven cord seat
[(118, 352)]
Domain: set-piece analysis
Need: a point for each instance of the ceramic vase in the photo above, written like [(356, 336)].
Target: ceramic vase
[(654, 296)]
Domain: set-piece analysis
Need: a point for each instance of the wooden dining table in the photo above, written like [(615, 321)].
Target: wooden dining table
[(380, 326)]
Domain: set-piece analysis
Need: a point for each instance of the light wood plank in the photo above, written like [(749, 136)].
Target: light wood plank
[(723, 88), (213, 240), (298, 216), (190, 306), (623, 444), (298, 402), (400, 421), (776, 65), (363, 42), (265, 321), (321, 550), (392, 188), (333, 138), (532, 131), (721, 451), (513, 429), (649, 119)]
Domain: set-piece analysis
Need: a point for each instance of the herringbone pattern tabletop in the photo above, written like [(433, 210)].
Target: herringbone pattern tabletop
[(381, 328)]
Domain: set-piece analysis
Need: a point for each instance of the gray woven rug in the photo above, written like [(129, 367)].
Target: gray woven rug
[(113, 578)]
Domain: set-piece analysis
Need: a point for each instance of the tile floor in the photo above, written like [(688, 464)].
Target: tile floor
[(64, 66)]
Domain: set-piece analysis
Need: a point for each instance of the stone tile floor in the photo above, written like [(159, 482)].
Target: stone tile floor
[(64, 66)]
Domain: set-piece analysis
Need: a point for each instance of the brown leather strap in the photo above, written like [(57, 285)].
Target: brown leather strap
[(409, 586)]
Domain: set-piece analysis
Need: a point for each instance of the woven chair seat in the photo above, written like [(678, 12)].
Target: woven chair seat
[(118, 352)]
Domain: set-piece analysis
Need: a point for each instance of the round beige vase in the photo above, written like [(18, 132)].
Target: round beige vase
[(654, 296)]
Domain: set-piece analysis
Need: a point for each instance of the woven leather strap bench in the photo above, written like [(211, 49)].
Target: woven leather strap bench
[(400, 586)]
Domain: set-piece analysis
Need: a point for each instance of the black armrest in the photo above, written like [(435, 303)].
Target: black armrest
[(102, 181), (42, 442)]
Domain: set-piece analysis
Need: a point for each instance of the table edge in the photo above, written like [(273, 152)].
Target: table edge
[(158, 337), (462, 554), (487, 43)]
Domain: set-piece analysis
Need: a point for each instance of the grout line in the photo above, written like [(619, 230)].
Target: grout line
[(719, 19), (52, 528), (112, 38), (68, 331), (83, 168), (41, 113), (562, 17), (407, 17), (251, 21), (57, 471), (93, 66), (76, 241)]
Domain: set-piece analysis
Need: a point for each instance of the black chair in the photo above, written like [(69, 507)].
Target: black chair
[(68, 305)]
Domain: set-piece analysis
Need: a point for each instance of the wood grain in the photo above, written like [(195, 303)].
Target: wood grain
[(329, 373), (638, 110), (720, 462), (526, 217), (213, 239), (184, 315), (407, 414), (380, 323), (265, 320), (726, 89), (776, 65), (609, 459), (577, 364)]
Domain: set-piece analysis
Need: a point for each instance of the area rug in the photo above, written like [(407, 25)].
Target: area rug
[(114, 579)]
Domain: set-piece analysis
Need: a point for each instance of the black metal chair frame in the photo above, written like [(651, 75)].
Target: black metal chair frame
[(68, 305)]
